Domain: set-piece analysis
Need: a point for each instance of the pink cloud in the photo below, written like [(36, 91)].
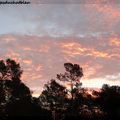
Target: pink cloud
[(42, 58), (29, 62)]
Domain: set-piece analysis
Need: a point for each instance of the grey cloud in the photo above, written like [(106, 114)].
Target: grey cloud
[(59, 19)]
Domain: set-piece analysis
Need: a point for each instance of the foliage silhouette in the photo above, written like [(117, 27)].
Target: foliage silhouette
[(56, 101), (72, 74), (81, 105), (15, 96), (109, 100), (54, 94), (10, 70)]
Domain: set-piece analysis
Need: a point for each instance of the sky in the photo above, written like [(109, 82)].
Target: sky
[(44, 35)]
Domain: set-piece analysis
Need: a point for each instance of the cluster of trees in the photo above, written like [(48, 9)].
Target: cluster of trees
[(56, 102)]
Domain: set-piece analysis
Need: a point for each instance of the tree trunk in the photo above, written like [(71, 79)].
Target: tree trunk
[(72, 90), (53, 115)]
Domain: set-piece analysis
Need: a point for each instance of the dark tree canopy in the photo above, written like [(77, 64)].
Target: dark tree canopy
[(10, 70), (73, 73), (56, 101), (12, 89), (74, 69), (109, 100), (53, 95)]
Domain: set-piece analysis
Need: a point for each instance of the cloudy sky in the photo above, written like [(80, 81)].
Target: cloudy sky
[(43, 36)]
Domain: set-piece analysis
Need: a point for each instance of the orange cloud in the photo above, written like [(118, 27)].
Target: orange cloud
[(36, 77), (44, 48), (96, 53), (27, 49), (115, 41), (89, 69), (43, 58), (109, 15), (28, 62), (32, 72), (8, 38), (74, 49), (109, 10), (39, 68), (31, 75), (12, 54)]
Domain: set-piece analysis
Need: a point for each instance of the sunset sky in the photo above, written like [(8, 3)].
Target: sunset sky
[(42, 37)]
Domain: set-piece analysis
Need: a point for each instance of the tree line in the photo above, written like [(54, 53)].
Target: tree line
[(56, 102)]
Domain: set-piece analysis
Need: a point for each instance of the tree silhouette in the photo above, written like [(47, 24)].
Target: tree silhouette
[(109, 100), (56, 96), (10, 73), (10, 70), (53, 97), (15, 96), (12, 89), (72, 74)]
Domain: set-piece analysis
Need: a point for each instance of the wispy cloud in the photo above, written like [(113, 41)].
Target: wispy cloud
[(43, 57), (42, 37)]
